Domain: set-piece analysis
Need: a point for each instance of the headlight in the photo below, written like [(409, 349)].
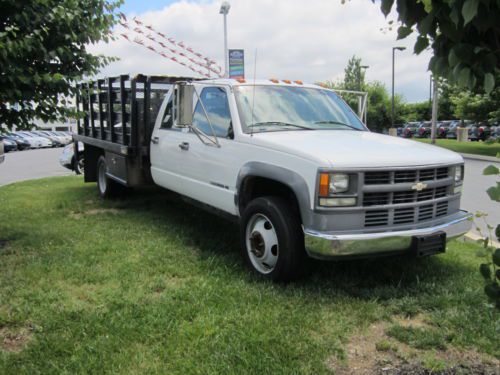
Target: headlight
[(459, 175), (339, 183), (332, 184)]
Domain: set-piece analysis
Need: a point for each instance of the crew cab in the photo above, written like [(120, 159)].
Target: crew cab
[(290, 161)]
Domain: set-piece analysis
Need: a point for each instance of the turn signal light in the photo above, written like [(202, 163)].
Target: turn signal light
[(324, 184)]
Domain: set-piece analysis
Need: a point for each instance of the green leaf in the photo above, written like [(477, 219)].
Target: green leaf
[(489, 82), (494, 192), (497, 273), (469, 10), (491, 170), (386, 6), (497, 232), (404, 31), (454, 16), (453, 58), (496, 257), (485, 270), (463, 77), (421, 44)]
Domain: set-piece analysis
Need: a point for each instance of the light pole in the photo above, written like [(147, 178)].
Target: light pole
[(393, 53), (224, 10), (359, 89)]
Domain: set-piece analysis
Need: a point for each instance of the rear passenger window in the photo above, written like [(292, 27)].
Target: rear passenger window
[(214, 100)]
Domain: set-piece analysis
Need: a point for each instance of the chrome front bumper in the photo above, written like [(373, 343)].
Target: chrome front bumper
[(333, 246)]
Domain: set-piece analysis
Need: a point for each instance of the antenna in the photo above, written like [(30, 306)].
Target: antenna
[(253, 90)]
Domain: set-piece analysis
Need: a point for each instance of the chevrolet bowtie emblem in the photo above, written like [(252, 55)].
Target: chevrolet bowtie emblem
[(419, 186)]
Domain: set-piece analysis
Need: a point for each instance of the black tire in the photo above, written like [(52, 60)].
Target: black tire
[(78, 166), (278, 216), (106, 187)]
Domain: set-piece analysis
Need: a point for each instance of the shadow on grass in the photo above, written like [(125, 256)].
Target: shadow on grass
[(378, 278)]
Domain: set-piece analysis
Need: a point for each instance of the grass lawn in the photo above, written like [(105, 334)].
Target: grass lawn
[(149, 284), (478, 148)]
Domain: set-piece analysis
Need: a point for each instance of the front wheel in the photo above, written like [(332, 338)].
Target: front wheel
[(272, 240)]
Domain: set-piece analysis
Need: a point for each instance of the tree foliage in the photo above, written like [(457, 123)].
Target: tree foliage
[(354, 75), (43, 53), (463, 35)]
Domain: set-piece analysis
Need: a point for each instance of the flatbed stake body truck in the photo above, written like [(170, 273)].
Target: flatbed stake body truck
[(291, 161)]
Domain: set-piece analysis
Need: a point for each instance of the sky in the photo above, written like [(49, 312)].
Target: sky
[(294, 39)]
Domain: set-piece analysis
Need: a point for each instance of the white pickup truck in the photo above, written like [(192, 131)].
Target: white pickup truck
[(291, 161)]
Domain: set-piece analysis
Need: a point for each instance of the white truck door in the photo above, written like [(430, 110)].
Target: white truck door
[(165, 152), (209, 170)]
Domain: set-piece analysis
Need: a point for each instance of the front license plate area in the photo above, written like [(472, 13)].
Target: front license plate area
[(424, 246)]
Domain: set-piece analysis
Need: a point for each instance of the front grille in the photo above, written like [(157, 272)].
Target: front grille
[(400, 176), (405, 215), (399, 197), (390, 199)]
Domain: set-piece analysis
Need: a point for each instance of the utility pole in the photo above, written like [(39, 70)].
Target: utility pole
[(434, 110), (393, 53), (224, 10)]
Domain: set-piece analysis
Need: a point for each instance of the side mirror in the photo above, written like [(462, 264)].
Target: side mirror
[(185, 94)]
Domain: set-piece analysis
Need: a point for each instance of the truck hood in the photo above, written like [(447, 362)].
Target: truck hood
[(347, 149)]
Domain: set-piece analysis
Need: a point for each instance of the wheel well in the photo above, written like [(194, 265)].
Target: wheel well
[(254, 187)]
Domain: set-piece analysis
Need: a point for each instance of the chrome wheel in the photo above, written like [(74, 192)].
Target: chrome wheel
[(262, 243), (102, 178)]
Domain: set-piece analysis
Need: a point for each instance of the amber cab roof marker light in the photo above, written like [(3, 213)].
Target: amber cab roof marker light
[(299, 82), (287, 81), (274, 80), (241, 80)]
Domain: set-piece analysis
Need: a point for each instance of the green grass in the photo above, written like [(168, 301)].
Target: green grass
[(477, 148), (149, 284)]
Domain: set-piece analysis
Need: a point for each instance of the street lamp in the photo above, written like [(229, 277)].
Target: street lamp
[(359, 89), (394, 49), (359, 75), (224, 10)]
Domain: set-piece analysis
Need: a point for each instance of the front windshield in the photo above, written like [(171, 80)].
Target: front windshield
[(293, 108)]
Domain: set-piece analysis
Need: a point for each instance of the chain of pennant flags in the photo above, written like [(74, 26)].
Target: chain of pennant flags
[(161, 44)]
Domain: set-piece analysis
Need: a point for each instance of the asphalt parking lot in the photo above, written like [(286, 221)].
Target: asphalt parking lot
[(32, 164)]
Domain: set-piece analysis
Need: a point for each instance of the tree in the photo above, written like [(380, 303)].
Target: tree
[(463, 35), (354, 76), (43, 53)]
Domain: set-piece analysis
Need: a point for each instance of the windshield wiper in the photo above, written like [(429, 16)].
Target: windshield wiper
[(337, 123), (280, 123)]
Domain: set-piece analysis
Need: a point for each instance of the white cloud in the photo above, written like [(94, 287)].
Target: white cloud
[(309, 40)]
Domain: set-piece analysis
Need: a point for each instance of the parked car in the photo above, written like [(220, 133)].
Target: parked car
[(423, 130), (472, 130), (8, 145), (35, 140), (56, 141), (20, 142), (495, 131), (483, 131), (67, 158), (66, 137), (299, 171), (442, 128), (2, 153), (410, 129)]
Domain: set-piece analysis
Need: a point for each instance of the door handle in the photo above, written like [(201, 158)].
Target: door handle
[(155, 140), (184, 146)]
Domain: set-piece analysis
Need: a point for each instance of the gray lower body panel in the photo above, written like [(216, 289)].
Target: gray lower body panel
[(331, 245)]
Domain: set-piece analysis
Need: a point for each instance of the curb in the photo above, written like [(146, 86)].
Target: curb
[(480, 157), (473, 237)]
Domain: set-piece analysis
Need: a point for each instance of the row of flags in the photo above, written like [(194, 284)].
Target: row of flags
[(167, 47)]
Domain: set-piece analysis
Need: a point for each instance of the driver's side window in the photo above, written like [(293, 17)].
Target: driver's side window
[(215, 102)]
